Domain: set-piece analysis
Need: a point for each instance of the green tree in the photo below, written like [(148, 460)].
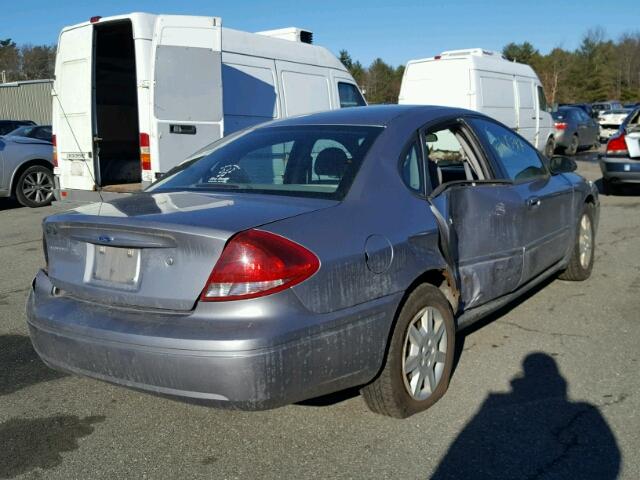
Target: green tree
[(9, 60), (521, 53), (37, 62)]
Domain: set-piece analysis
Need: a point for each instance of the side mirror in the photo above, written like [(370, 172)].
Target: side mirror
[(561, 164), (431, 138)]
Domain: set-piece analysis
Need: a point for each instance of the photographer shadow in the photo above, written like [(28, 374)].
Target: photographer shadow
[(533, 431)]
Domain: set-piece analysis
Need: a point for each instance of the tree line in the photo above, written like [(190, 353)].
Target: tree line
[(599, 69), (26, 62)]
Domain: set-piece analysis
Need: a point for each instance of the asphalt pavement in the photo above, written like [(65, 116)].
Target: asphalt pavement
[(546, 388)]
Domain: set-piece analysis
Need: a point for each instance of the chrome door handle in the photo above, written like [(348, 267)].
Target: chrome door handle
[(533, 202)]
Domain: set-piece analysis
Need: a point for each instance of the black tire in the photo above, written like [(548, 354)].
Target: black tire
[(608, 188), (34, 187), (550, 147), (572, 149), (577, 270), (387, 394)]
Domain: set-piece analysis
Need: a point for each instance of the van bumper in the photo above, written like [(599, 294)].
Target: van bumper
[(202, 359)]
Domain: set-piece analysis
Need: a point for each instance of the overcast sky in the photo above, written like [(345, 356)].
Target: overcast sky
[(393, 30)]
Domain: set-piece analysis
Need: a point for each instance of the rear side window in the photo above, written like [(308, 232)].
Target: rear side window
[(349, 95), (411, 168), (518, 158)]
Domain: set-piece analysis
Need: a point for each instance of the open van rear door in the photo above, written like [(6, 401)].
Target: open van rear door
[(72, 108), (186, 89)]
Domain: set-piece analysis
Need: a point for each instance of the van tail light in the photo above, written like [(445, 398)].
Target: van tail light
[(54, 156), (95, 19), (617, 145), (255, 263), (560, 125), (145, 152)]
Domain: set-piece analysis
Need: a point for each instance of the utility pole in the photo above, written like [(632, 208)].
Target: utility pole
[(4, 76)]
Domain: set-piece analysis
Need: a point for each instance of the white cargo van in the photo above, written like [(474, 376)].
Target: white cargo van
[(136, 94), (484, 81)]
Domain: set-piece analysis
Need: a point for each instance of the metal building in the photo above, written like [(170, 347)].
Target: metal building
[(28, 100)]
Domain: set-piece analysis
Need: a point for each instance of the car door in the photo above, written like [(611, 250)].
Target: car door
[(478, 215), (587, 127), (547, 200)]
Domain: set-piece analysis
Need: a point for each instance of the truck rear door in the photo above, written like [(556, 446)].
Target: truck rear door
[(187, 109), (73, 108)]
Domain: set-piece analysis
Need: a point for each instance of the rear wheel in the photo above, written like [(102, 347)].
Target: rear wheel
[(35, 187), (550, 147), (572, 149), (581, 262), (418, 366)]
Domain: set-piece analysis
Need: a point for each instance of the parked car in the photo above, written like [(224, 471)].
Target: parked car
[(7, 126), (486, 82), (41, 132), (610, 122), (26, 170), (124, 113), (586, 107), (310, 255), (600, 107), (631, 106), (575, 130), (621, 162)]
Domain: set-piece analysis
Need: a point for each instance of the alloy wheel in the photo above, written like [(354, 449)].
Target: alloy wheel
[(38, 187), (424, 353), (585, 241)]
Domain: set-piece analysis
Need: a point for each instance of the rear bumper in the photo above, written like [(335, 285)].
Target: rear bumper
[(253, 363), (620, 169)]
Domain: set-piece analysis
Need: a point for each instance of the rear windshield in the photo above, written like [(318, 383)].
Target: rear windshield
[(308, 161)]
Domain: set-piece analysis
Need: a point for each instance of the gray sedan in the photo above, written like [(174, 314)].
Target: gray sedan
[(575, 130), (311, 255), (26, 170)]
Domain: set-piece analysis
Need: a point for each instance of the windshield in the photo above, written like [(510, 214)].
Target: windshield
[(309, 160)]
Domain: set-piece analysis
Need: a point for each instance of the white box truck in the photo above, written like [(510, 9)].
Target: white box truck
[(484, 81), (136, 94)]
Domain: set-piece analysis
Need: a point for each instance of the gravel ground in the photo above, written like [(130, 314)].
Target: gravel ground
[(546, 388)]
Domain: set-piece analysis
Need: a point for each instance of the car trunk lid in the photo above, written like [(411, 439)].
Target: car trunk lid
[(154, 250)]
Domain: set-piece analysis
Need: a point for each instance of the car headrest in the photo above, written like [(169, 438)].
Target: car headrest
[(331, 162)]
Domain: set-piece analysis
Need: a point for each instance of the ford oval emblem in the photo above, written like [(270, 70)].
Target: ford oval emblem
[(105, 239)]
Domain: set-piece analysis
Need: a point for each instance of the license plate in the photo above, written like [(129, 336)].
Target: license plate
[(115, 265), (627, 168)]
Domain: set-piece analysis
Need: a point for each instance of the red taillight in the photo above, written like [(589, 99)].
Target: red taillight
[(560, 125), (145, 152), (54, 156), (257, 263), (95, 19), (617, 145)]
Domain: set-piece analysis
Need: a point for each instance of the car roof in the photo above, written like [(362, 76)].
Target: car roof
[(373, 115)]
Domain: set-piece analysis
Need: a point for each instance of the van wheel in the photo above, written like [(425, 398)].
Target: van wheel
[(550, 147), (581, 262), (572, 149), (419, 362), (35, 187)]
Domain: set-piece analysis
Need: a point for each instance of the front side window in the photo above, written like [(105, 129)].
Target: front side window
[(317, 161), (542, 100), (349, 95), (518, 158)]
